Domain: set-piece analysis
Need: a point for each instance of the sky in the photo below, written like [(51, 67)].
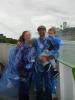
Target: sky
[(19, 15)]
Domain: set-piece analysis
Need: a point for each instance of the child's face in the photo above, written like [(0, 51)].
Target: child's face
[(51, 33), (44, 59)]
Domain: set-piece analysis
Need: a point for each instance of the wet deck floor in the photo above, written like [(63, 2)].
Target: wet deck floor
[(12, 95), (4, 97)]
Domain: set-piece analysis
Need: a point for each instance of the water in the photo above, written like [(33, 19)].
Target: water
[(67, 52)]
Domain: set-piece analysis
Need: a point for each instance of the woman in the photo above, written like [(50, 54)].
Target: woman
[(11, 74), (24, 63)]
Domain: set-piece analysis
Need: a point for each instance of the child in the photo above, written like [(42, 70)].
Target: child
[(54, 43), (48, 74), (45, 58)]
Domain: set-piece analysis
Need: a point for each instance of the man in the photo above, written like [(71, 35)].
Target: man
[(41, 45)]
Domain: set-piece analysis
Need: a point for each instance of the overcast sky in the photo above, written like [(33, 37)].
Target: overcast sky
[(19, 15)]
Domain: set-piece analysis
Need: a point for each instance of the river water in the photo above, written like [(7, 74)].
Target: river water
[(67, 52)]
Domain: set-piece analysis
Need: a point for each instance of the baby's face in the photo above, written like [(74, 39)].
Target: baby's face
[(43, 59)]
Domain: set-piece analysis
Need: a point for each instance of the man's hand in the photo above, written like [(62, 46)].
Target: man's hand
[(19, 44)]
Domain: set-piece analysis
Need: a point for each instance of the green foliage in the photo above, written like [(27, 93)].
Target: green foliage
[(4, 39)]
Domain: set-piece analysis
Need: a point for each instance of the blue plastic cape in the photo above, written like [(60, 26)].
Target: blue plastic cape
[(9, 78)]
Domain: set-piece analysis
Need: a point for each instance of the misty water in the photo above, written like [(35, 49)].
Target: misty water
[(67, 52)]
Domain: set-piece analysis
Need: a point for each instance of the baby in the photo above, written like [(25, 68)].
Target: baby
[(54, 43)]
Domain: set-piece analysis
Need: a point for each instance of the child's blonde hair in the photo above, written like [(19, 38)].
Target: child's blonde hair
[(52, 29)]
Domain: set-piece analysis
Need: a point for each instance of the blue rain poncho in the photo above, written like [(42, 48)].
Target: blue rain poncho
[(40, 45), (25, 57), (10, 77), (54, 43), (7, 80)]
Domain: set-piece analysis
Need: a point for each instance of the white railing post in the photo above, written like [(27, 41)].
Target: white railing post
[(67, 83)]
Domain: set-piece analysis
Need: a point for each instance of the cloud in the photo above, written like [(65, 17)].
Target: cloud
[(19, 15)]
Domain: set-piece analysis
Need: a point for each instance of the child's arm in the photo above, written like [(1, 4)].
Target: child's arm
[(54, 43), (51, 43)]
